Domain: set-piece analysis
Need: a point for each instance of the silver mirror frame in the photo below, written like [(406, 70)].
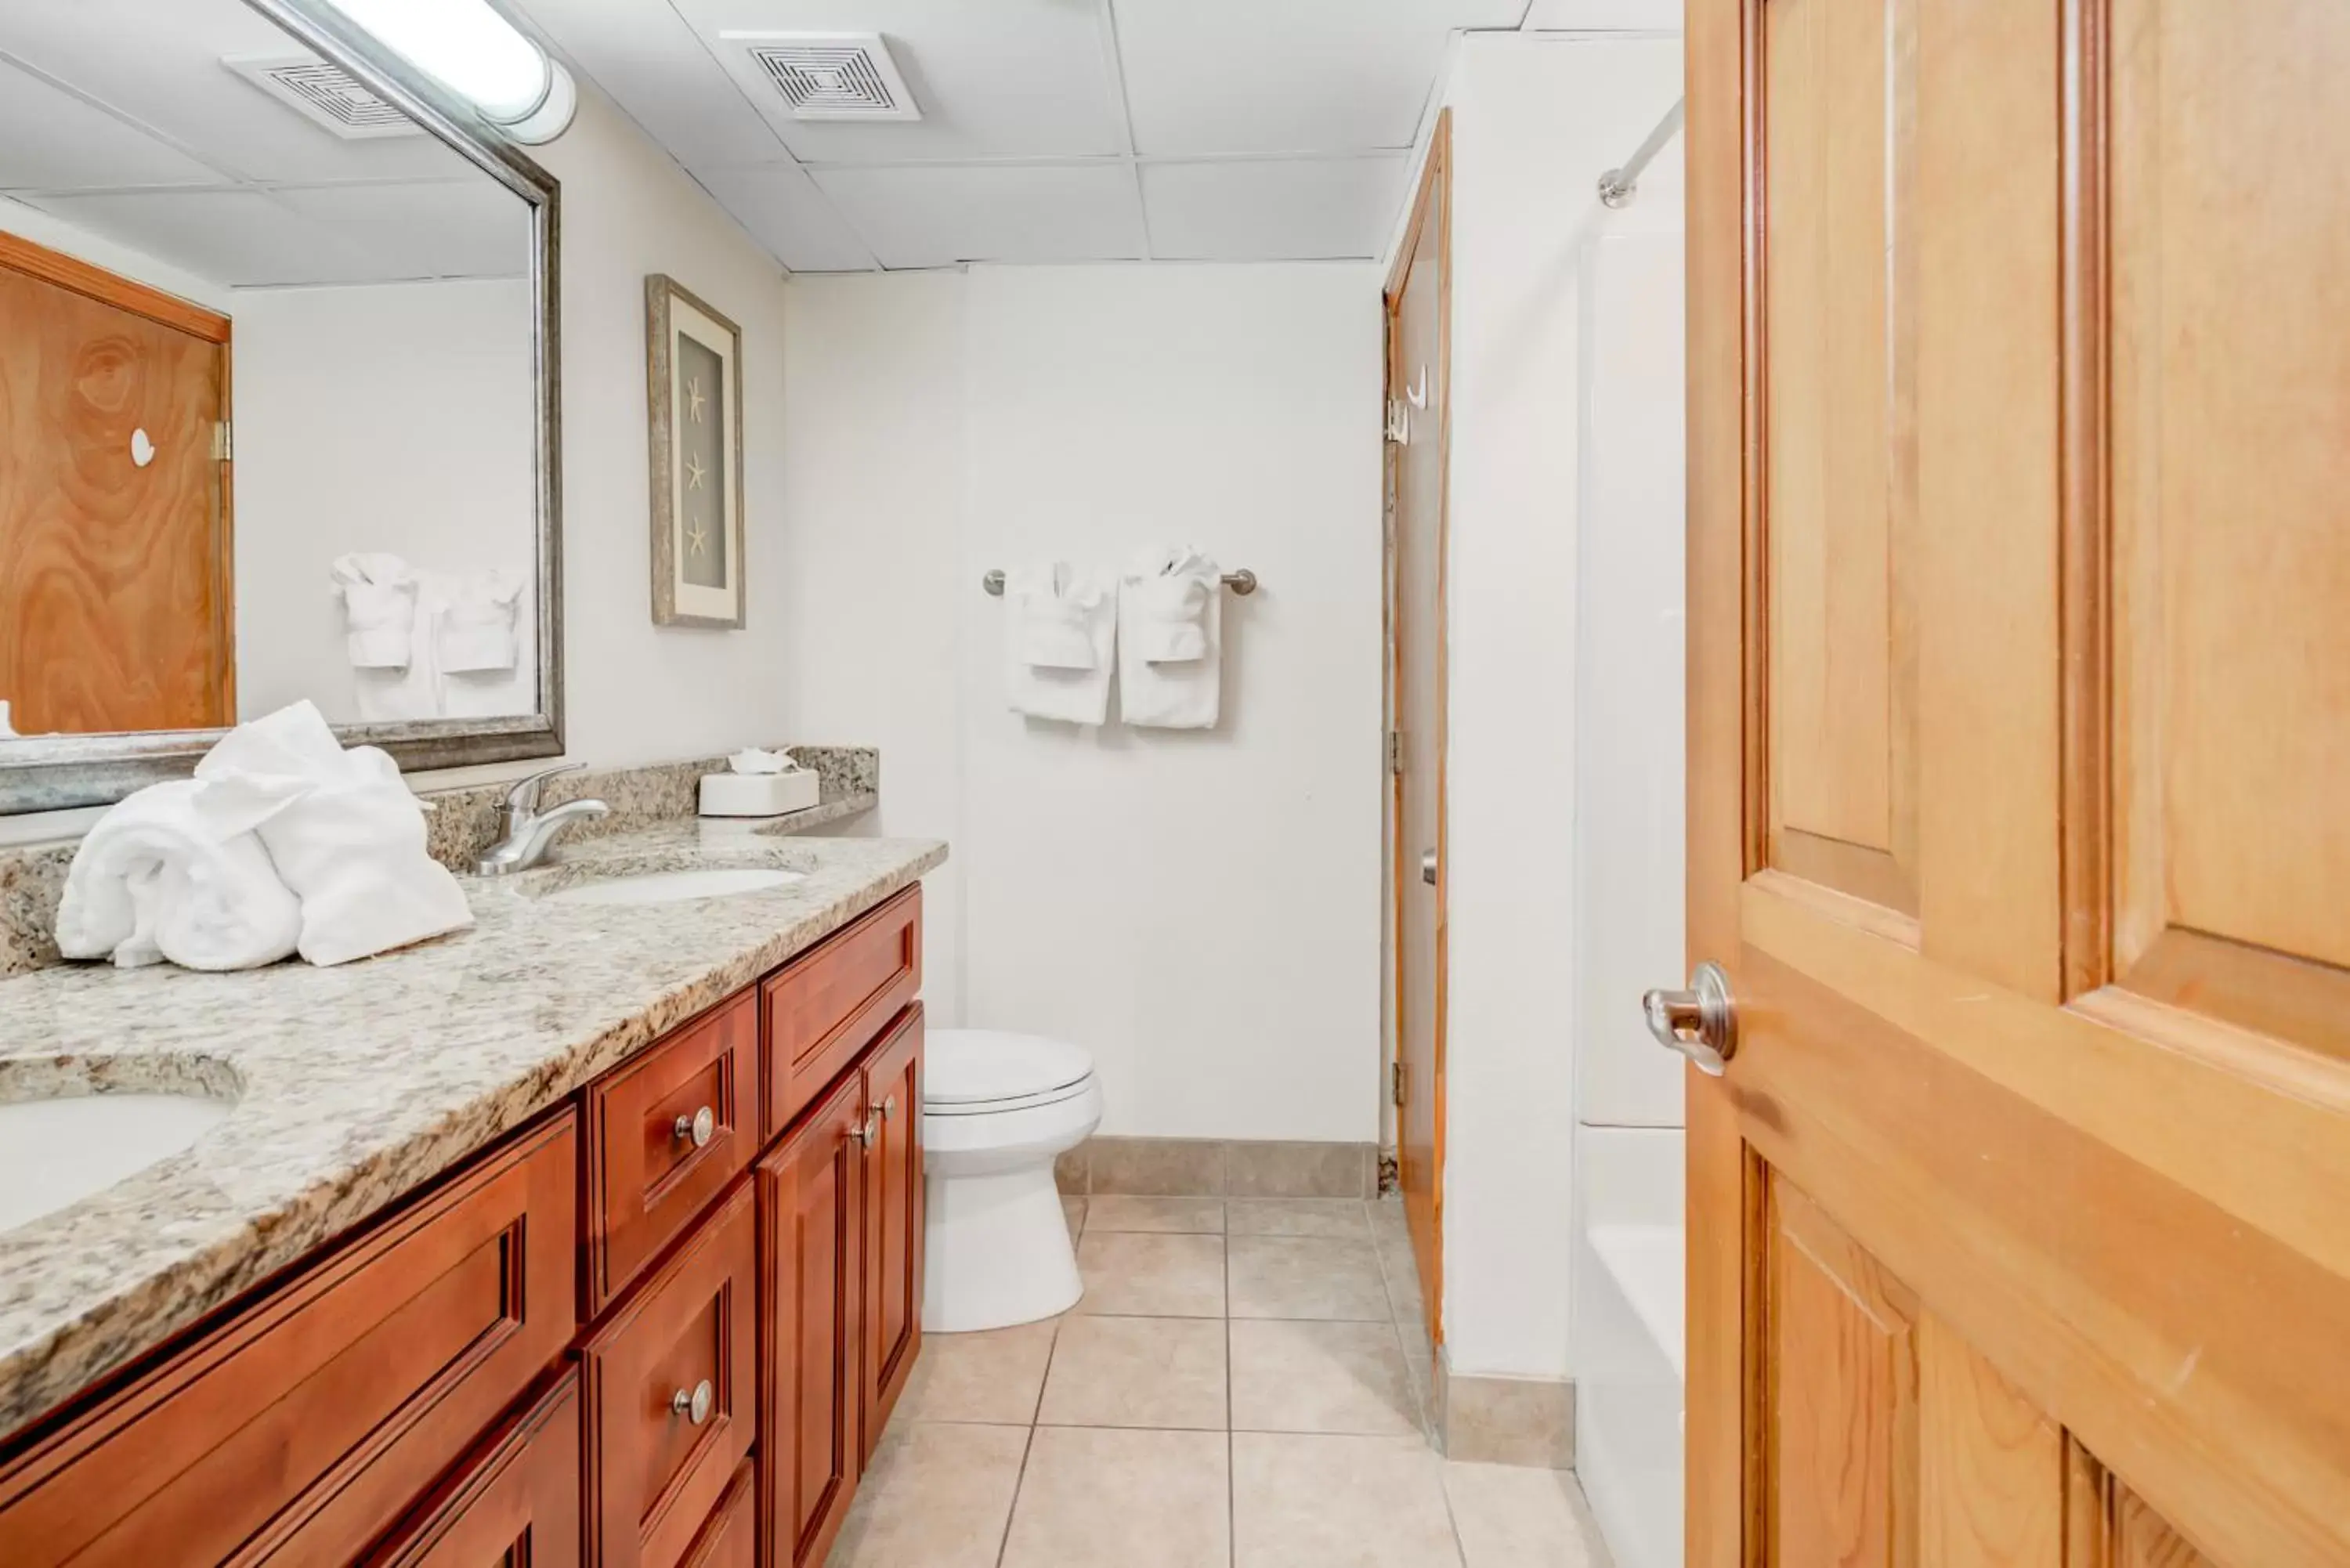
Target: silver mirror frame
[(50, 773)]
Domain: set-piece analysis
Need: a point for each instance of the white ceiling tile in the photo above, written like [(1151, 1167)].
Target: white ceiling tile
[(158, 64), (51, 141), (472, 228), (784, 209), (237, 237), (1286, 75), (1008, 79), (1604, 16), (933, 215), (1289, 209), (651, 61)]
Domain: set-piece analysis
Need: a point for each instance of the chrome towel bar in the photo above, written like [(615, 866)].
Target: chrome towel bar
[(1243, 582)]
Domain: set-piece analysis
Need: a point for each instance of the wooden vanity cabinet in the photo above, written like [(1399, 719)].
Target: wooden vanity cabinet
[(624, 1337)]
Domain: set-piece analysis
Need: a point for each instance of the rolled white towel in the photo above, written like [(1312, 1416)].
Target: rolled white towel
[(345, 832), (154, 878)]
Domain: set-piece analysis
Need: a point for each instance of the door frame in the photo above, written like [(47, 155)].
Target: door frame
[(29, 259), (1435, 181)]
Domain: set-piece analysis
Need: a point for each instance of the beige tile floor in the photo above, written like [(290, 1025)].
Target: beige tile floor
[(1238, 1389)]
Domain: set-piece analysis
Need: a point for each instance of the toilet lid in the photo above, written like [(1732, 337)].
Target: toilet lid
[(985, 1066)]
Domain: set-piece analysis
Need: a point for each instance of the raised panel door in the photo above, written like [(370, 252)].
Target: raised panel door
[(894, 1203)]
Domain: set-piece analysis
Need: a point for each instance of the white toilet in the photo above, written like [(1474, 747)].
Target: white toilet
[(997, 1111)]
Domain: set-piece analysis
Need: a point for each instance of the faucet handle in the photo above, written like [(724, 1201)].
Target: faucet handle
[(522, 796)]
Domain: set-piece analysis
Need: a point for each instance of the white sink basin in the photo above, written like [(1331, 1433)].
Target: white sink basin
[(56, 1152), (674, 886)]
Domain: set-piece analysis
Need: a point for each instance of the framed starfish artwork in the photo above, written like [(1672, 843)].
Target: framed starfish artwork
[(693, 366)]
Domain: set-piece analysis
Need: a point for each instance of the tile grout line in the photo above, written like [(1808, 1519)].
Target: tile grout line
[(1019, 1484), (1231, 1455)]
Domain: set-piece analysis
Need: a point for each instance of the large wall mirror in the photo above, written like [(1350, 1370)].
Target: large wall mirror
[(277, 399)]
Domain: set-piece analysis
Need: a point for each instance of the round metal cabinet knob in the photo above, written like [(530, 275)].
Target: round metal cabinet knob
[(695, 1405), (699, 1127), (1701, 1023)]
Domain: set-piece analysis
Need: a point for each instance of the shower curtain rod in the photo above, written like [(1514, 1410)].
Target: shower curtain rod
[(1617, 185)]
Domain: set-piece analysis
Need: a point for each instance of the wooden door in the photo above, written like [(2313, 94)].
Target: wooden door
[(114, 573), (894, 1213), (1418, 307), (811, 1257), (2020, 729)]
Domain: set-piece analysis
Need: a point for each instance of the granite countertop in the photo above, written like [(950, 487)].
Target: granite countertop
[(355, 1084)]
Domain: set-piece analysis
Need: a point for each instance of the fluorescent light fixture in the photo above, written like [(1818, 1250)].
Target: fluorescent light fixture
[(469, 48)]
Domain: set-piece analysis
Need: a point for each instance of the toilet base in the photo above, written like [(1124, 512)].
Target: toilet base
[(999, 1251)]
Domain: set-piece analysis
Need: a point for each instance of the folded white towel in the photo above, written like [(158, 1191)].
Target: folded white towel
[(1061, 632), (1171, 622), (477, 624), (378, 593), (345, 833), (155, 879)]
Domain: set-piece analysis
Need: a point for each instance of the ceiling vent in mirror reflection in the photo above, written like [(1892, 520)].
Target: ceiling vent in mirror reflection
[(830, 76), (324, 95)]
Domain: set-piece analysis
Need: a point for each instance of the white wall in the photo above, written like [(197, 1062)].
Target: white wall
[(637, 692), (1534, 122), (393, 417), (1200, 910)]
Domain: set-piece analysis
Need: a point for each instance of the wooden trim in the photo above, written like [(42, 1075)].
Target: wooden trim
[(225, 543), (18, 254), (2086, 504)]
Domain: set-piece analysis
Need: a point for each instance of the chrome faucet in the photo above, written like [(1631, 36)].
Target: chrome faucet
[(526, 831)]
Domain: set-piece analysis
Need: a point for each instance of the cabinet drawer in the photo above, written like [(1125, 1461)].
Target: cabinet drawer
[(829, 1004), (654, 1471), (301, 1429), (516, 1502), (730, 1539), (666, 1133)]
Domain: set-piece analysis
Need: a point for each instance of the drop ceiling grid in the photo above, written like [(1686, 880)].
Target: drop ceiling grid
[(1017, 113)]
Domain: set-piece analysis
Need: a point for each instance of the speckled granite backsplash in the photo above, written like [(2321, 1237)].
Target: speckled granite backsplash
[(463, 823)]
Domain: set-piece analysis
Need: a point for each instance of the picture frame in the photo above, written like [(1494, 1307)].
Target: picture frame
[(693, 384)]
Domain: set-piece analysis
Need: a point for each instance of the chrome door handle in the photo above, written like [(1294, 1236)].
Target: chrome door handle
[(1427, 867), (695, 1405), (1701, 1023), (697, 1128)]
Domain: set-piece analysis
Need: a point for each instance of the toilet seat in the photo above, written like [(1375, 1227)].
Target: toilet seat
[(991, 1072)]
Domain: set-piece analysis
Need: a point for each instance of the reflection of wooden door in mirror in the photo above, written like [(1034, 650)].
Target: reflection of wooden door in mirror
[(114, 535), (2019, 726)]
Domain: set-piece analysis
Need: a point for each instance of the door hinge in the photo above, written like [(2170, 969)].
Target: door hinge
[(223, 442), (1396, 1081), (1395, 751), (1398, 422)]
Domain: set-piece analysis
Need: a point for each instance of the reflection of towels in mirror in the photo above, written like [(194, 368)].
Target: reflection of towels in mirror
[(388, 621), (477, 645)]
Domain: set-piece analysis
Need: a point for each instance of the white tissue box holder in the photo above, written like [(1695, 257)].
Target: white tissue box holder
[(757, 795)]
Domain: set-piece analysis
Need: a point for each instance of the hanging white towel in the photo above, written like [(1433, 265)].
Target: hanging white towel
[(345, 833), (1171, 622), (1060, 641), (476, 633), (379, 595), (155, 879)]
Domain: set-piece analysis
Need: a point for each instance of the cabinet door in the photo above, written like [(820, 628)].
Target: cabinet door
[(893, 1219), (811, 1229), (671, 1404), (517, 1503)]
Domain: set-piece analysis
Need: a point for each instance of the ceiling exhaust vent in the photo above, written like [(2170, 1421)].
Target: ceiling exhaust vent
[(830, 76), (324, 95)]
